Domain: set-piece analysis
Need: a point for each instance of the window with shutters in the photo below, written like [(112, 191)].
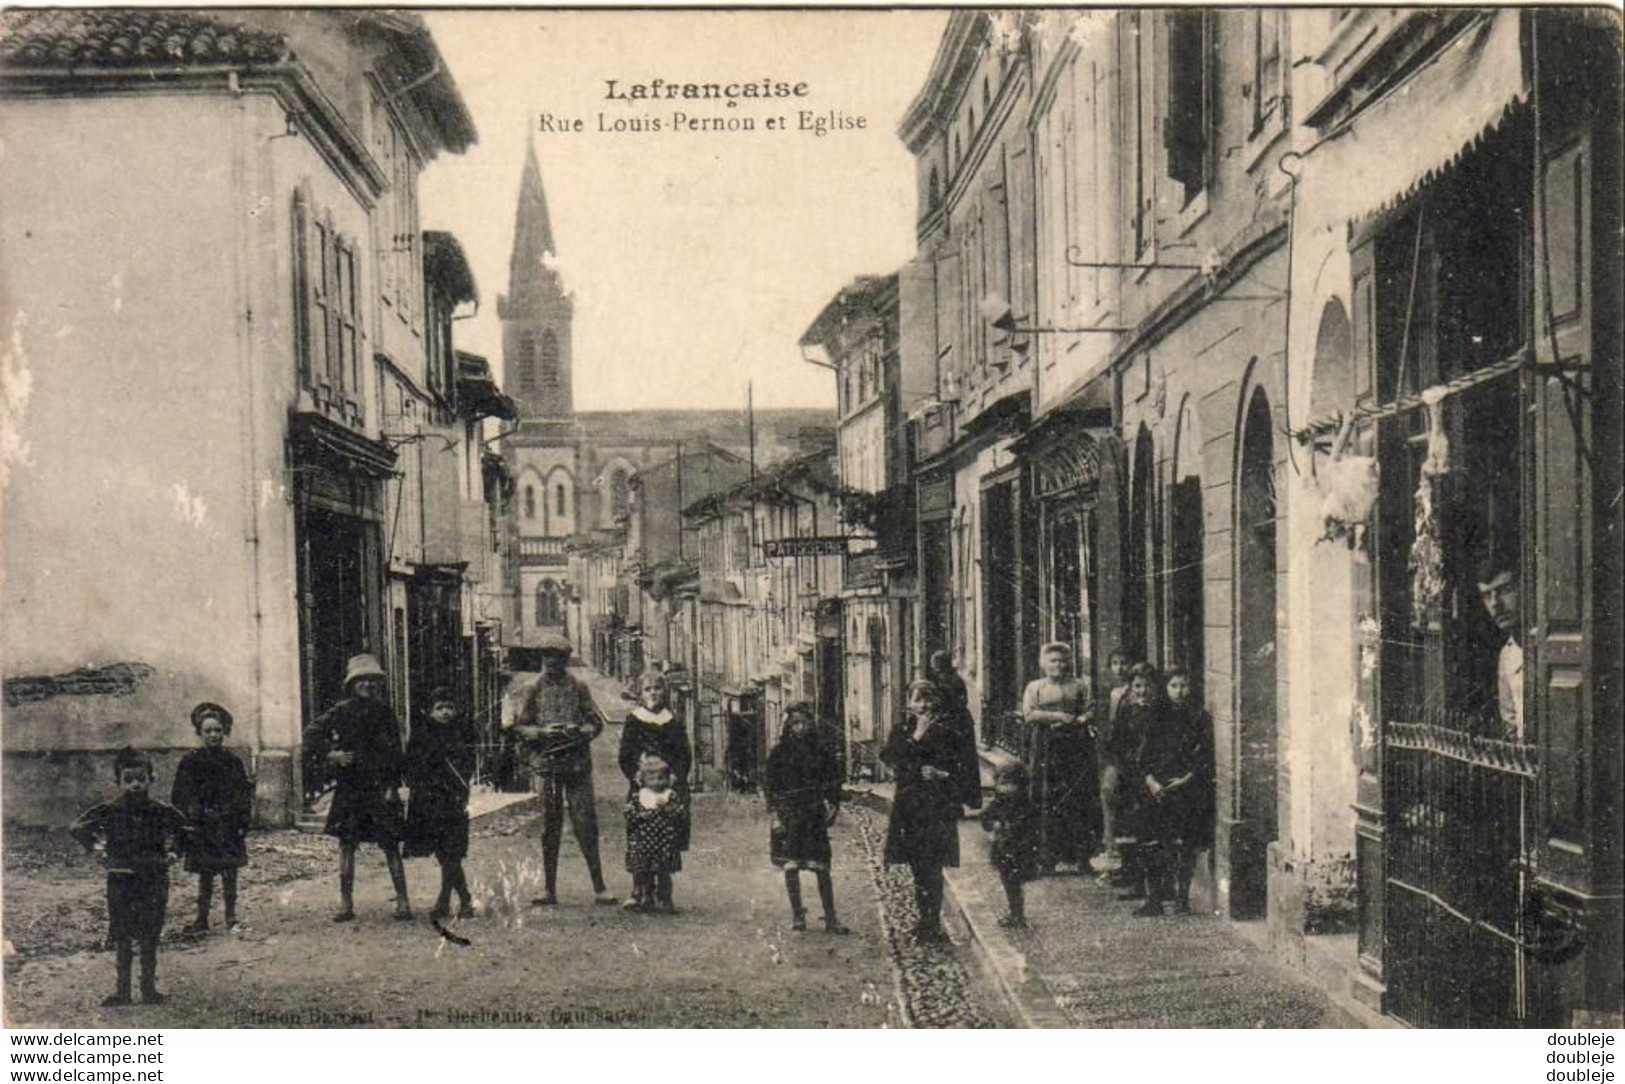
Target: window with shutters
[(1266, 89), (1138, 104), (1188, 130), (327, 306)]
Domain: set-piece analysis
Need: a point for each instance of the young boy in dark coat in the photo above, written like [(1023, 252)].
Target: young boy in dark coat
[(213, 789), (439, 765), (358, 743), (1013, 822), (138, 832), (804, 794)]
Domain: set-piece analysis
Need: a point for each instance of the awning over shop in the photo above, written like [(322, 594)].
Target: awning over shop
[(1419, 127)]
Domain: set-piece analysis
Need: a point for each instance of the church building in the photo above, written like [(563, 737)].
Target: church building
[(576, 471)]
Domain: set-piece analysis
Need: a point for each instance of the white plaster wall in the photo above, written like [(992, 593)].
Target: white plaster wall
[(1322, 667), (128, 525)]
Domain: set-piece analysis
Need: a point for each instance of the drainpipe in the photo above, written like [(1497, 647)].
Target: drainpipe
[(243, 281)]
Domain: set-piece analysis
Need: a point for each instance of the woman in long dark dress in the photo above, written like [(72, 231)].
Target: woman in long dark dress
[(933, 757), (1176, 764), (651, 727), (358, 743), (803, 789), (213, 789), (439, 765)]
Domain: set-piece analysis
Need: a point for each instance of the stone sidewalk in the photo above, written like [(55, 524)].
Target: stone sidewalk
[(1087, 961)]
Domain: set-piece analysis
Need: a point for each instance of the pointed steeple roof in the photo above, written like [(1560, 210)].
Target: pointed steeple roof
[(532, 229)]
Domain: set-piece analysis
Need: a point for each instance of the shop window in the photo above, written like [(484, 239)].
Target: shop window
[(1449, 509)]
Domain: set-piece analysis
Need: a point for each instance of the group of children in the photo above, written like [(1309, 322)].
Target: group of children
[(1146, 752), (1149, 744), (415, 801), (356, 746)]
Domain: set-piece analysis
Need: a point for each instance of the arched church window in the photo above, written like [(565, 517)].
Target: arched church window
[(548, 608), (527, 363), (620, 494), (558, 500), (550, 360), (530, 502)]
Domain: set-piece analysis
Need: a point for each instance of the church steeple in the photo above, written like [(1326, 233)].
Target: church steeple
[(532, 228), (537, 310)]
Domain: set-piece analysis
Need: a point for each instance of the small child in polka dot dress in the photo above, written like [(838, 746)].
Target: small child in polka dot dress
[(654, 818)]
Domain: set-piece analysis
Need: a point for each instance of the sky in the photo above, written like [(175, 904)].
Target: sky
[(697, 259)]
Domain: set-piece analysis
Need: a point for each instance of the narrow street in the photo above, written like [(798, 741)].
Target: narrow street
[(728, 959)]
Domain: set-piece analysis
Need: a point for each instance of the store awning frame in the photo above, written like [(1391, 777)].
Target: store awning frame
[(1459, 96)]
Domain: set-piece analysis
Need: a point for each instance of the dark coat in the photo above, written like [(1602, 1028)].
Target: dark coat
[(213, 790), (361, 811), (803, 778), (139, 834), (1179, 742), (924, 824), (439, 766), (1013, 822), (669, 742)]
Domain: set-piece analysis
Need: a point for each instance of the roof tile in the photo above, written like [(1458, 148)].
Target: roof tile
[(131, 37)]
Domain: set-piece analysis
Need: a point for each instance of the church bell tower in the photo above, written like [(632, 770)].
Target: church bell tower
[(537, 311)]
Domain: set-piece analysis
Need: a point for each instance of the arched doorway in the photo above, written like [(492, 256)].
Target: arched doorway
[(1186, 571), (1138, 598), (1255, 660)]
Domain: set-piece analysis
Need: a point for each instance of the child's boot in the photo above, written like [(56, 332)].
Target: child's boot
[(205, 891), (826, 896), (792, 888), (397, 877), (149, 973), (346, 912), (121, 990), (663, 895)]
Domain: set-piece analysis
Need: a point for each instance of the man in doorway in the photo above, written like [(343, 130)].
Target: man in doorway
[(558, 722), (1498, 588)]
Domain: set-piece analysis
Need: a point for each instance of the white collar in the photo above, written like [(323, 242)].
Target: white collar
[(643, 714)]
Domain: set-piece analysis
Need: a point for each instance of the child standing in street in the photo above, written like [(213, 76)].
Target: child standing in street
[(655, 816), (439, 764), (804, 795), (1012, 821), (138, 833), (213, 790), (358, 744)]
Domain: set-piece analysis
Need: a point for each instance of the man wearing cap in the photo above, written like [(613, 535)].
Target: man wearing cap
[(557, 722)]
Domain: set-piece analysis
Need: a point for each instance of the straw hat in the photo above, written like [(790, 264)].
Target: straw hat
[(362, 666)]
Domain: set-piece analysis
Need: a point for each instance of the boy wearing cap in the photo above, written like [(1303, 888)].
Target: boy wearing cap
[(558, 722), (138, 833), (357, 743)]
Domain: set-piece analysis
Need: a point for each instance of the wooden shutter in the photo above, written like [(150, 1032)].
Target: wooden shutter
[(301, 285), (1559, 715)]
